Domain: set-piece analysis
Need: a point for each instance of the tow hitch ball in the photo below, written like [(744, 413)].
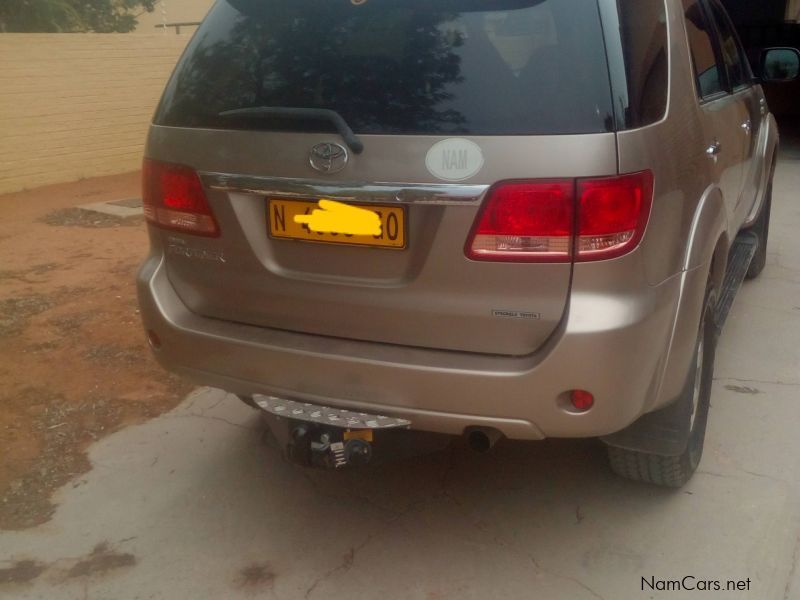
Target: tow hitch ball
[(327, 447)]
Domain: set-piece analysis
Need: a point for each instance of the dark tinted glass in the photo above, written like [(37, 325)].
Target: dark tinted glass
[(732, 53), (707, 71), (398, 66), (643, 25)]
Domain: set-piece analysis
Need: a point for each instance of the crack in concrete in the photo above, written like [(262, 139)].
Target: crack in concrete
[(347, 563), (793, 570), (763, 381), (712, 474), (563, 577), (192, 398), (577, 582), (210, 418), (354, 495), (215, 405), (743, 470), (349, 558), (496, 538), (779, 278), (498, 541), (763, 476)]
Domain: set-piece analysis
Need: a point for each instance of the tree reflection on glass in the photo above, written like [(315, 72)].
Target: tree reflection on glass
[(384, 69)]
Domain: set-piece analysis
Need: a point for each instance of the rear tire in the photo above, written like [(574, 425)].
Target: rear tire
[(676, 471), (761, 229)]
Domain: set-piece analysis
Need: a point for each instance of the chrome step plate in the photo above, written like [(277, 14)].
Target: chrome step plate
[(324, 415)]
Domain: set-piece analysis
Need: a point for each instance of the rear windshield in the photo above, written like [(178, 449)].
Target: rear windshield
[(480, 67)]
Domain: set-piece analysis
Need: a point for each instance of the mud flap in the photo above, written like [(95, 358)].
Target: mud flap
[(666, 432)]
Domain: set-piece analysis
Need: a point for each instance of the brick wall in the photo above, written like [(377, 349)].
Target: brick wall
[(78, 105)]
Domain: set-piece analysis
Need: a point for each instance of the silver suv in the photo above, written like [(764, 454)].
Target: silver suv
[(563, 197)]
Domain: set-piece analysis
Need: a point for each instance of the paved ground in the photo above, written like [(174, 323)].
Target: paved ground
[(198, 504)]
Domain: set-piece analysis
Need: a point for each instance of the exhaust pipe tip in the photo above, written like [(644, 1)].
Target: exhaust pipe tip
[(482, 439)]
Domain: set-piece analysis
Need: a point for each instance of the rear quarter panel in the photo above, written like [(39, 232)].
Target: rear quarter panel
[(688, 217), (674, 149)]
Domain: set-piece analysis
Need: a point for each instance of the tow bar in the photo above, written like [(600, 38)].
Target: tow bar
[(321, 436)]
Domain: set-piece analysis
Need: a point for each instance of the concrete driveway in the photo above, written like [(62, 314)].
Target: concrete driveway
[(199, 504)]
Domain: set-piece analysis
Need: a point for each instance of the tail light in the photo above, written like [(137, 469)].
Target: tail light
[(612, 214), (525, 222), (174, 199), (558, 221)]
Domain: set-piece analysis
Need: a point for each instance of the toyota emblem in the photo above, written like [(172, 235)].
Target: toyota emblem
[(328, 157)]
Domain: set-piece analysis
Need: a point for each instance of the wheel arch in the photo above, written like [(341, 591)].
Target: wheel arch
[(769, 162), (709, 242), (705, 262), (706, 257), (719, 262)]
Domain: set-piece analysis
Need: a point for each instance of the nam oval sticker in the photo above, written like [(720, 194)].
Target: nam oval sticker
[(454, 159)]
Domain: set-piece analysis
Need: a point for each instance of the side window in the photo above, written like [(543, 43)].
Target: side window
[(732, 53), (708, 72), (643, 26)]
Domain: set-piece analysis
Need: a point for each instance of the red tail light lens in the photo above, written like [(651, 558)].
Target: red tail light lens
[(552, 221), (612, 215), (525, 222), (174, 198)]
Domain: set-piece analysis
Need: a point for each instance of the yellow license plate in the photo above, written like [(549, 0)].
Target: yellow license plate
[(281, 214)]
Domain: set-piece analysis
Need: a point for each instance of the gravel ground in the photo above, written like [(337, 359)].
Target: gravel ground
[(73, 360)]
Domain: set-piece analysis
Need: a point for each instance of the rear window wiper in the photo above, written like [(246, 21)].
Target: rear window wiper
[(350, 138)]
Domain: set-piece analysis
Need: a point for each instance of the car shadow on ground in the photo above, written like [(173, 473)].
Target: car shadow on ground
[(202, 500)]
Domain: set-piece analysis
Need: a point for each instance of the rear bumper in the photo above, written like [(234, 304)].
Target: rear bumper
[(617, 347)]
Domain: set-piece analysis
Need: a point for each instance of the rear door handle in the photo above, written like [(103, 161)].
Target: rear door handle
[(714, 150)]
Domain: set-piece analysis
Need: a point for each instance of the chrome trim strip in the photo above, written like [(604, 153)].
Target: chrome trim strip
[(377, 193)]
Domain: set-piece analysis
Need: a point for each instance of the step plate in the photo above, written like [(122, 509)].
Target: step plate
[(324, 415), (739, 259)]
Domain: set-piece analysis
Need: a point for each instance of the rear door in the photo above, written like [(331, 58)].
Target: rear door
[(449, 97), (723, 113), (749, 98)]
